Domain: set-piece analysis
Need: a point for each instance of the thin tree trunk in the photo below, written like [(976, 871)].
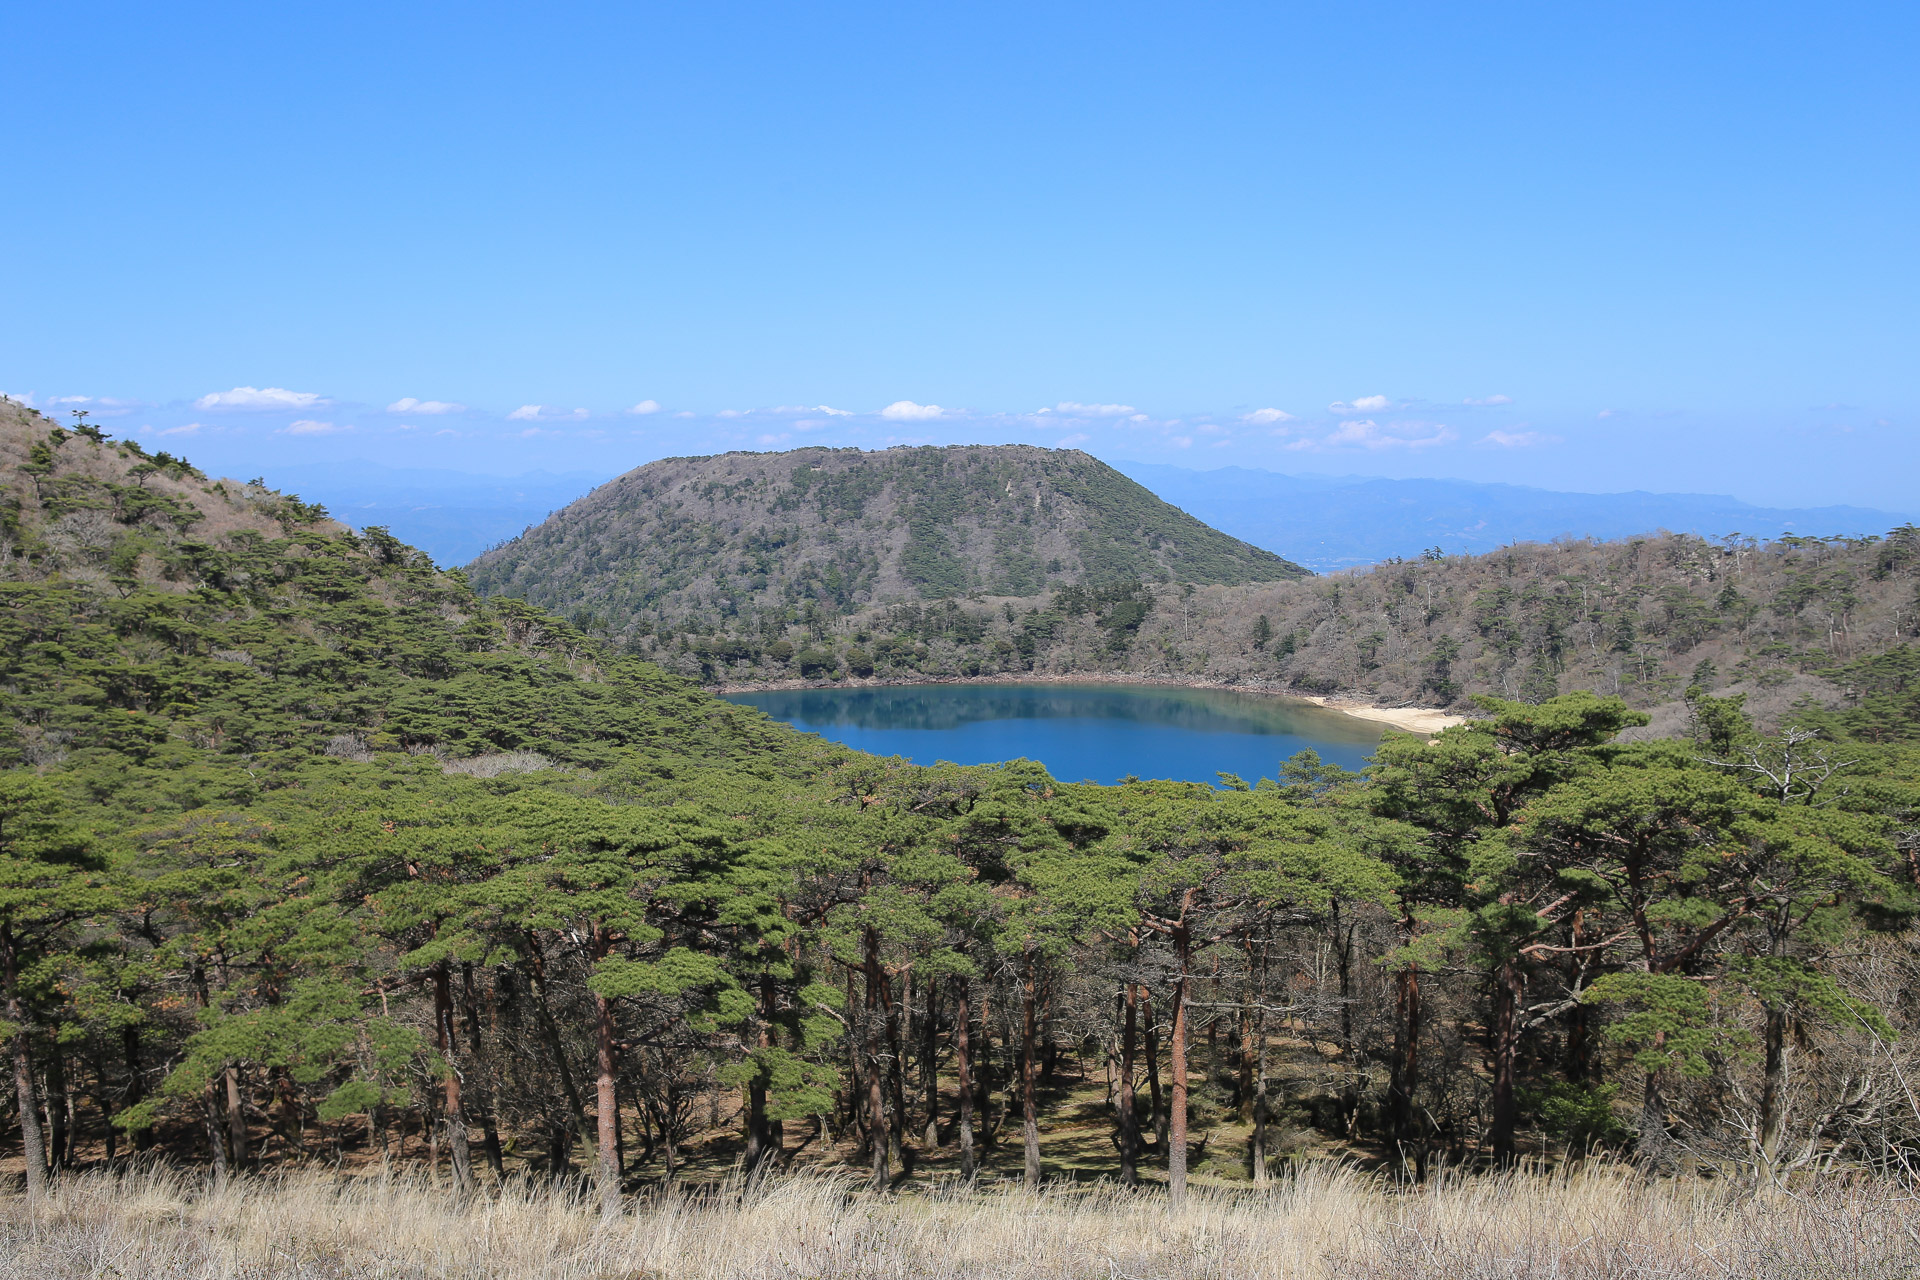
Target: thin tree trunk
[(896, 1069), (236, 1118), (550, 1033), (59, 1110), (606, 1103), (444, 1039), (477, 1047), (1156, 1102), (876, 1088), (1506, 1060), (1177, 1120), (216, 1142), (1773, 1089), (32, 1142), (963, 1069), (1029, 1109), (1257, 1141), (930, 1065), (759, 1137), (1129, 1117), (1405, 1079)]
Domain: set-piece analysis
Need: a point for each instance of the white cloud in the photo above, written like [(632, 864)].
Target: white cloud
[(1181, 442), (308, 427), (1068, 442), (1487, 402), (1612, 413), (1518, 439), (186, 430), (260, 398), (686, 413), (446, 431), (18, 397), (645, 407), (1078, 410), (1264, 416), (1367, 434), (407, 404), (772, 439), (1365, 404), (1138, 417), (728, 413), (832, 412), (908, 411), (526, 413)]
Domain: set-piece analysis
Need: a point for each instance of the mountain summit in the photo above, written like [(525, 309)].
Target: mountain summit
[(767, 532)]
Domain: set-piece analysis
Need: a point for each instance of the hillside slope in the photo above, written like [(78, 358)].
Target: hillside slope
[(160, 626), (766, 535), (1809, 627)]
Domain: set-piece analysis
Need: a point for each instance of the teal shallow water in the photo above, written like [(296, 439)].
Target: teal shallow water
[(1081, 732)]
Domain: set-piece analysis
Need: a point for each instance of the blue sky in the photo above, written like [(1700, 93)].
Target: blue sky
[(1584, 246)]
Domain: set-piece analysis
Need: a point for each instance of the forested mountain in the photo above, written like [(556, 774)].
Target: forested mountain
[(309, 854), (757, 538)]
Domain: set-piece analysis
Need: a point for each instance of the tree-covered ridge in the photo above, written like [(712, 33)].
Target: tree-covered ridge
[(1820, 627), (760, 540), (151, 617)]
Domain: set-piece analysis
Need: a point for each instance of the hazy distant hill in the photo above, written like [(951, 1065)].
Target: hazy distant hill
[(451, 515), (770, 534), (1337, 522)]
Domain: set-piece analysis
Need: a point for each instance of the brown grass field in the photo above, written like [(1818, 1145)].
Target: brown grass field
[(1328, 1220)]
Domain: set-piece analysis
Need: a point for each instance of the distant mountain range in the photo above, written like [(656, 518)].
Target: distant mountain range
[(1338, 522), (1322, 522)]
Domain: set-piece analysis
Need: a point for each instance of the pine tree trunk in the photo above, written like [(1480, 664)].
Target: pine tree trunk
[(1405, 1076), (477, 1047), (606, 1171), (550, 1035), (896, 1070), (930, 1065), (32, 1141), (216, 1141), (459, 1154), (759, 1137), (1129, 1116), (236, 1119), (1156, 1108), (58, 1110), (963, 1070), (1506, 1060), (1029, 1109), (1773, 1089), (1177, 1119), (876, 1087)]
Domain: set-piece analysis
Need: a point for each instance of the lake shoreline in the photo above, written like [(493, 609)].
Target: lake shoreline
[(1420, 720)]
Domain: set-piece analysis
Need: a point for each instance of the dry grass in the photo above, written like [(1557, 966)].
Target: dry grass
[(1328, 1222)]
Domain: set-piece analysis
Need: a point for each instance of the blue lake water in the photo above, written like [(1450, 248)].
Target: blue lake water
[(1081, 732)]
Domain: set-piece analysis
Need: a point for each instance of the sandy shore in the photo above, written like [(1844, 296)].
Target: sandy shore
[(1423, 720), (1411, 719)]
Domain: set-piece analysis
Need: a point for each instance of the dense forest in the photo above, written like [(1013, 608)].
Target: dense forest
[(766, 537), (310, 854)]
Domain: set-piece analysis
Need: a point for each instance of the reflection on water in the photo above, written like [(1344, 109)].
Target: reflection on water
[(1094, 731)]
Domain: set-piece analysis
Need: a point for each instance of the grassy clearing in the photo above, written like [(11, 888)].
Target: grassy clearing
[(1329, 1221)]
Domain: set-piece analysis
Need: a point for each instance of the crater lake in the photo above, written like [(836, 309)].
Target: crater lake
[(1080, 732)]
